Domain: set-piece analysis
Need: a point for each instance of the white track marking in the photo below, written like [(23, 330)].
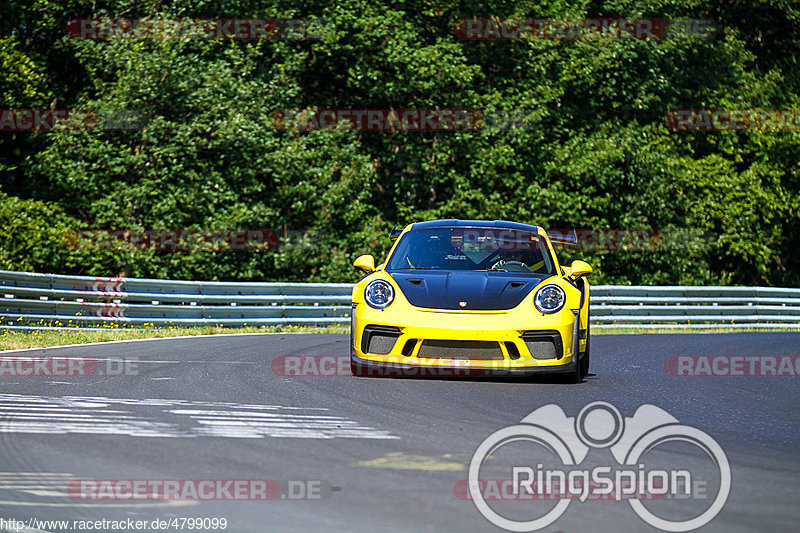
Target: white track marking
[(74, 505), (90, 415)]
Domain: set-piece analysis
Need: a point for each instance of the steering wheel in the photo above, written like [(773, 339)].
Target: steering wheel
[(511, 266)]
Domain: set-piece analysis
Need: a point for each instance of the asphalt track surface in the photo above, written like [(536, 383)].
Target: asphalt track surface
[(386, 453)]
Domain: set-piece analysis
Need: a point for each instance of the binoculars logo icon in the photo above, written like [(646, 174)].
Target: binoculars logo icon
[(600, 425)]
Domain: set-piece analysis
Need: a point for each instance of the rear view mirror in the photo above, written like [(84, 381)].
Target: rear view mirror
[(579, 268), (367, 263)]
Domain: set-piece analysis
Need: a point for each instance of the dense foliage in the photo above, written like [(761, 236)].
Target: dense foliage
[(594, 151)]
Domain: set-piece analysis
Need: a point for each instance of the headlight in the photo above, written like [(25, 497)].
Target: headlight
[(379, 294), (550, 299)]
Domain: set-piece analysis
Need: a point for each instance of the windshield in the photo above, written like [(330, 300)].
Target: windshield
[(475, 248)]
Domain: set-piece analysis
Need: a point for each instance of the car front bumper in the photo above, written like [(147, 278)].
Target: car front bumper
[(464, 343)]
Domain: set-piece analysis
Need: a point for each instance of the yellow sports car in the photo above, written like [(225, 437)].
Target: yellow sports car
[(467, 297)]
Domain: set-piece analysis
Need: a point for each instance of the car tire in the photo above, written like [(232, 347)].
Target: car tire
[(581, 365), (574, 376), (584, 363)]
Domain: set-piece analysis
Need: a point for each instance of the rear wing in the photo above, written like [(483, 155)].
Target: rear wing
[(563, 237)]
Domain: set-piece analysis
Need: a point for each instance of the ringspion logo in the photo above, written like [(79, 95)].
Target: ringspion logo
[(559, 470)]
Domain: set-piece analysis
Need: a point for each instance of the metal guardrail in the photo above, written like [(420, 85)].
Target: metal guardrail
[(672, 307), (30, 300), (67, 301)]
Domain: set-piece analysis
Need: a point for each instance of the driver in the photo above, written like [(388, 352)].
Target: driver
[(509, 257)]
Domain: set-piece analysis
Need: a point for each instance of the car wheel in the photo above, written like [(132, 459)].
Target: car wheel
[(574, 376), (584, 364), (581, 365)]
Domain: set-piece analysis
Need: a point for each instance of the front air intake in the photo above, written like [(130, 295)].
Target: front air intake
[(474, 350), (379, 340), (543, 344)]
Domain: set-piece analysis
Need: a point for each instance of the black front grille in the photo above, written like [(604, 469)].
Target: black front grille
[(543, 344), (379, 340), (475, 350), (380, 344)]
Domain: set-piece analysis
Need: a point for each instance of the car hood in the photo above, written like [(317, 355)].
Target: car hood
[(482, 291)]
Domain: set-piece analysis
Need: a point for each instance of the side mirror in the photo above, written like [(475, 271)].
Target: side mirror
[(579, 268), (367, 263)]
